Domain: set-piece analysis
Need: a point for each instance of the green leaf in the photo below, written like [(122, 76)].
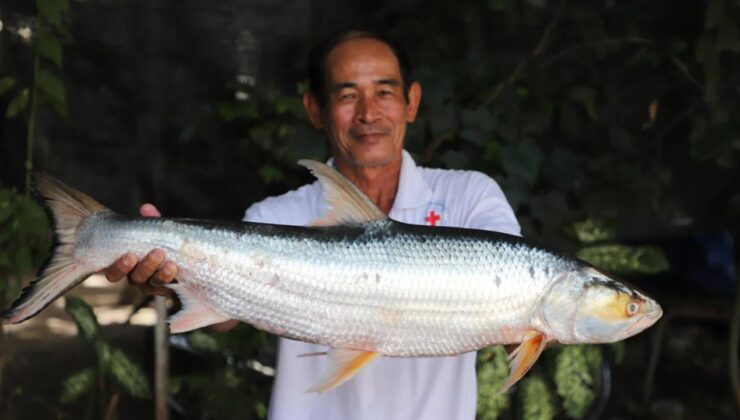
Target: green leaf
[(20, 259), (305, 142), (83, 316), (52, 10), (77, 385), (715, 13), (492, 372), (536, 399), (6, 207), (59, 107), (271, 173), (537, 3), (6, 83), (625, 259), (103, 354), (707, 54), (261, 410), (593, 230), (129, 375), (586, 96), (18, 104), (727, 36), (51, 85), (522, 160), (497, 5), (202, 341), (573, 377), (50, 47)]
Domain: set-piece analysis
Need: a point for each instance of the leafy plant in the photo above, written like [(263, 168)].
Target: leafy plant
[(113, 372), (24, 231), (24, 241), (236, 384), (46, 87)]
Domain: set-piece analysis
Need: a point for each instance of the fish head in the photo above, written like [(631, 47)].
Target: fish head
[(587, 306)]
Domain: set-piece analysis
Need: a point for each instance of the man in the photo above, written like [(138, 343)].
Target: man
[(362, 95)]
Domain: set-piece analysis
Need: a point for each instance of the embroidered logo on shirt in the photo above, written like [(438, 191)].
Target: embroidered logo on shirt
[(433, 215)]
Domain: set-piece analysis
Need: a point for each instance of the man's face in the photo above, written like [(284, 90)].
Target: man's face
[(365, 112)]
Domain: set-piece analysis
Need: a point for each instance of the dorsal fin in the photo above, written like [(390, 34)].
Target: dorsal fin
[(347, 204)]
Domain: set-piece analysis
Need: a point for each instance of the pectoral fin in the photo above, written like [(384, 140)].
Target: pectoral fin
[(521, 359), (194, 313), (343, 364)]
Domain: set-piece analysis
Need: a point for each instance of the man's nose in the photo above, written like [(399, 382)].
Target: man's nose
[(367, 109)]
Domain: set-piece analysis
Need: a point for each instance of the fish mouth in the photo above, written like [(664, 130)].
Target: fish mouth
[(653, 313)]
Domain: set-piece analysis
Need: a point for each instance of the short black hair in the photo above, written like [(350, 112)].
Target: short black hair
[(318, 55)]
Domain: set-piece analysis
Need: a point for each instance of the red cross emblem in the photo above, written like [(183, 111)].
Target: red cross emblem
[(432, 218)]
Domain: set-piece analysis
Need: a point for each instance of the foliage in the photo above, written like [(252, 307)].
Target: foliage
[(112, 373), (574, 378), (24, 240), (492, 373), (237, 385), (534, 388), (46, 87)]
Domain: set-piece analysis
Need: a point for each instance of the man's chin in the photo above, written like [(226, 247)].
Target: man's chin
[(373, 161)]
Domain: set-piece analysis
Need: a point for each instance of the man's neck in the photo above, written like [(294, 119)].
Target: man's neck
[(379, 183)]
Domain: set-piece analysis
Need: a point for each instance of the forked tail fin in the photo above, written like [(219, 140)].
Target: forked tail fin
[(68, 208)]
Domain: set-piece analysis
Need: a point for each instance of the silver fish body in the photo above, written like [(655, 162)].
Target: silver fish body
[(398, 289)]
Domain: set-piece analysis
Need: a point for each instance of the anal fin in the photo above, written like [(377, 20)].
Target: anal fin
[(194, 313), (343, 365), (523, 358)]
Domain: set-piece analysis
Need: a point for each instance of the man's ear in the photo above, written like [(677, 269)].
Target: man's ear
[(311, 105), (414, 98)]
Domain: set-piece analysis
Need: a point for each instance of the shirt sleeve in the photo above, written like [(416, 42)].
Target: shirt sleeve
[(297, 208)]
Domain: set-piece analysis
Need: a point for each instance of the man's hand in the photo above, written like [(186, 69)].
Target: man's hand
[(148, 274)]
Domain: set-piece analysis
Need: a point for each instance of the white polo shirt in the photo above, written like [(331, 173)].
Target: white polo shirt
[(389, 388)]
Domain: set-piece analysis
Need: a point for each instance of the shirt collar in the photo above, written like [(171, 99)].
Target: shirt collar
[(413, 190)]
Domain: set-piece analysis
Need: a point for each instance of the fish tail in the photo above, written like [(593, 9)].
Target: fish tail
[(68, 208)]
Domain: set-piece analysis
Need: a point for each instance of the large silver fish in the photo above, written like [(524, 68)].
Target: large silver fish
[(358, 282)]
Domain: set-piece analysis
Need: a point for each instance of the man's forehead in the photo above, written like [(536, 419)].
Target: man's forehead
[(363, 57)]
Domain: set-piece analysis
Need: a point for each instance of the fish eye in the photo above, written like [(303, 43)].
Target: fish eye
[(632, 308)]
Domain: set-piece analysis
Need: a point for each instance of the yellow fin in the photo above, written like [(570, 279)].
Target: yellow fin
[(522, 359), (343, 364), (346, 202)]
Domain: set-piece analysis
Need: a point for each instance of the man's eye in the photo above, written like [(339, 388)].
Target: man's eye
[(349, 95), (385, 93)]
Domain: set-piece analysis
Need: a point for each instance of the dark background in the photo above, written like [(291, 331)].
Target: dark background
[(612, 127)]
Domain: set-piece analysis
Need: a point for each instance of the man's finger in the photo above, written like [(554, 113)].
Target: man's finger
[(148, 210), (149, 289), (165, 274), (147, 266), (120, 268)]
